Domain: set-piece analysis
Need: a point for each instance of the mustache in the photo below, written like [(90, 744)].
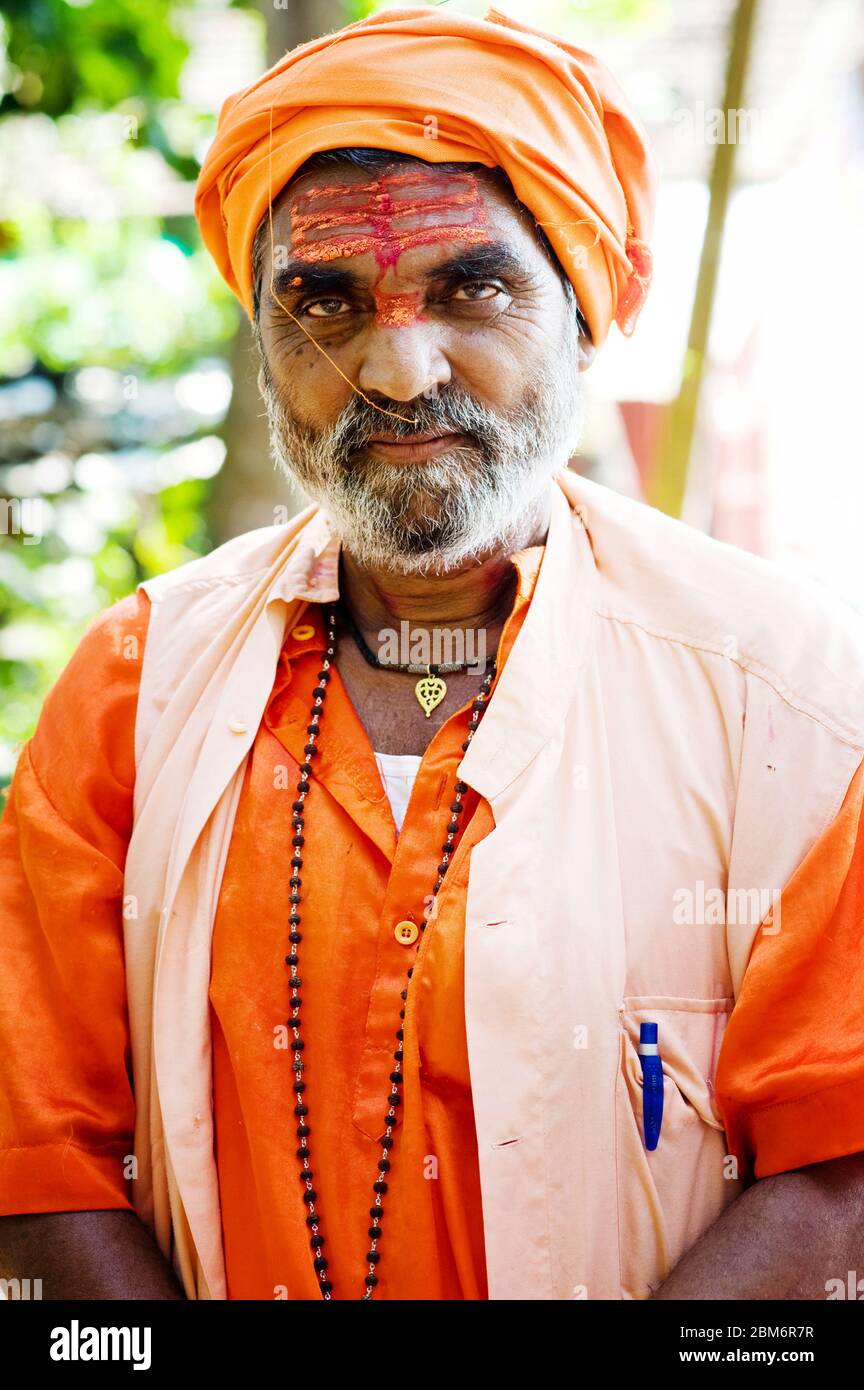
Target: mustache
[(455, 412)]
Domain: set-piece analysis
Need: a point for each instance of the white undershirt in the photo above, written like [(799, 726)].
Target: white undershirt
[(398, 771)]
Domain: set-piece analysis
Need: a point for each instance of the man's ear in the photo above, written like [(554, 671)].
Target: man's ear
[(587, 350), (587, 353)]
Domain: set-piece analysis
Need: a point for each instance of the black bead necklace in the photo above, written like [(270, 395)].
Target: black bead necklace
[(394, 1099)]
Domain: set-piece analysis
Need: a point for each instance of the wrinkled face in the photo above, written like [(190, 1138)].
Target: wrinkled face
[(420, 361)]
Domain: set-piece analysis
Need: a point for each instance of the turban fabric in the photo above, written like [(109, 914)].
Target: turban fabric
[(443, 87)]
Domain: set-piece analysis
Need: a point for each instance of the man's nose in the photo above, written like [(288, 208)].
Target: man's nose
[(403, 362)]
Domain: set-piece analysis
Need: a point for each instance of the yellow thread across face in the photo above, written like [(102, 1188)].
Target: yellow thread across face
[(408, 419)]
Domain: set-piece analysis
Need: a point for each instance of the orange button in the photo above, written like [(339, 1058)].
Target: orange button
[(406, 933), (301, 633)]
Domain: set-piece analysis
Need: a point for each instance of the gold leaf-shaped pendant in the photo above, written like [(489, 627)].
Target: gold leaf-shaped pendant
[(430, 691)]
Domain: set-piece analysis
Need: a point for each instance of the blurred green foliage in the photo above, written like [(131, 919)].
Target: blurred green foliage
[(95, 52), (115, 328)]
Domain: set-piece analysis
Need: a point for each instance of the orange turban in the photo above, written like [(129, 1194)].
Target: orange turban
[(443, 87)]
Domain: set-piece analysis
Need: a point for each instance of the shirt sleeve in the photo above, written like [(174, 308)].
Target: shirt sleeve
[(67, 1113), (790, 1075)]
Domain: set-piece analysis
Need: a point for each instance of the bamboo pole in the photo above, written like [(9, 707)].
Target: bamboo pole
[(669, 484)]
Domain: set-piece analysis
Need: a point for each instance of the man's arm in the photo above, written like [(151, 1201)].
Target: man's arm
[(67, 1109), (783, 1238), (86, 1255)]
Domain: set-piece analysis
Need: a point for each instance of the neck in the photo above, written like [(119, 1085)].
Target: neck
[(478, 595)]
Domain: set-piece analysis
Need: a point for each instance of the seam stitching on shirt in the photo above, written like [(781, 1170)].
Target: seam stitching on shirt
[(785, 1104), (64, 1145), (766, 674), (204, 582), (27, 753)]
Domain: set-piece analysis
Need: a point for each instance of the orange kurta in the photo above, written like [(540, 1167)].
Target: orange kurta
[(67, 1112), (358, 883)]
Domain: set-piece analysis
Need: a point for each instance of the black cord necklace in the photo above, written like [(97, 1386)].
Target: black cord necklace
[(431, 688)]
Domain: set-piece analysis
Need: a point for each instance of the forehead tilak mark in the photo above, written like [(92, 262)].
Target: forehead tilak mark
[(382, 215), (396, 310)]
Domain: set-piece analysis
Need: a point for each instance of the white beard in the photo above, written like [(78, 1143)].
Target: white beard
[(438, 515)]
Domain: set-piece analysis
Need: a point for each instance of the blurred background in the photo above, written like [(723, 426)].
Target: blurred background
[(132, 437)]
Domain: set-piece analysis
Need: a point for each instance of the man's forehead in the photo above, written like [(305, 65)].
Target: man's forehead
[(345, 171), (401, 216), (393, 212), (397, 185)]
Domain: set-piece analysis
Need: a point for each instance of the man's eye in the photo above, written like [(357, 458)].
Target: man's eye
[(472, 290), (321, 308)]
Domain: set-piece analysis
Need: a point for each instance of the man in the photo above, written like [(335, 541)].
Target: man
[(325, 1044)]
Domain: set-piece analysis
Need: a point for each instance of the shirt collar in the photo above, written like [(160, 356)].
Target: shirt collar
[(528, 563), (320, 586)]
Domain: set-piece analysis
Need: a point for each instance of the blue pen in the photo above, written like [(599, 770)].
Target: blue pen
[(652, 1084)]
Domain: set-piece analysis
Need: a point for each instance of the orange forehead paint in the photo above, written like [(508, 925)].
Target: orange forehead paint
[(395, 310), (388, 216)]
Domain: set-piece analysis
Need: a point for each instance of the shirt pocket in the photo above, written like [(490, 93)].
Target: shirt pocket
[(668, 1197)]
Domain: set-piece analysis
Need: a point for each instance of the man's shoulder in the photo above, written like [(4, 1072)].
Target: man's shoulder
[(84, 737), (670, 580), (236, 562)]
